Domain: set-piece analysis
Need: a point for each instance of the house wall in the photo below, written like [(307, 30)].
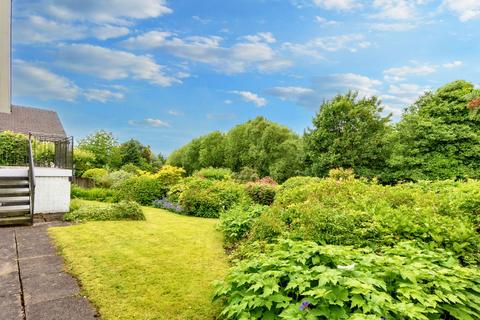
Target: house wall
[(5, 53)]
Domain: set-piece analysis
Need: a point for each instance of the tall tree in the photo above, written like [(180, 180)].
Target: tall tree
[(101, 144), (349, 132), (439, 136)]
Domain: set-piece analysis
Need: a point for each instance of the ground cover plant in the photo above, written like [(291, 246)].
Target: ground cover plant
[(94, 194), (303, 280), (90, 211), (161, 268)]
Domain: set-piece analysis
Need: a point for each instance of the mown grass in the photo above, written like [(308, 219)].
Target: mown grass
[(162, 268)]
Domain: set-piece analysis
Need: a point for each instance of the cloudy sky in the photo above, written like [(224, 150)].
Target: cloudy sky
[(166, 71)]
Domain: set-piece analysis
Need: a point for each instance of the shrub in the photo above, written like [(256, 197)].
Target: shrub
[(247, 174), (354, 212), (236, 223), (142, 189), (98, 175), (167, 205), (220, 174), (95, 194), (261, 193), (130, 167), (170, 175), (116, 178), (13, 148), (124, 210), (207, 198), (302, 280), (84, 160)]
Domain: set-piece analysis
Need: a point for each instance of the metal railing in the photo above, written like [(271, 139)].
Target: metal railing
[(47, 151), (31, 177)]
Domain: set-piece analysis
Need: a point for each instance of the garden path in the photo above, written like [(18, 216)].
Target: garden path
[(33, 283)]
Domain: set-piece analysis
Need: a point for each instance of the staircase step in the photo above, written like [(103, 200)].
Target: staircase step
[(10, 221), (13, 183), (19, 177), (8, 201), (14, 191), (22, 208)]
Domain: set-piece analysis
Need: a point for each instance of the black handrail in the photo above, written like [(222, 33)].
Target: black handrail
[(31, 177)]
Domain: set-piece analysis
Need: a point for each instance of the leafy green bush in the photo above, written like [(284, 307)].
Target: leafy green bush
[(302, 280), (95, 194), (358, 213), (170, 175), (214, 174), (13, 148), (236, 222), (124, 210), (207, 198), (261, 193), (131, 168), (142, 189), (116, 178), (98, 175), (247, 174), (83, 161)]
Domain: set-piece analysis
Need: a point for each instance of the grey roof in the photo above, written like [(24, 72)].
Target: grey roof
[(37, 121)]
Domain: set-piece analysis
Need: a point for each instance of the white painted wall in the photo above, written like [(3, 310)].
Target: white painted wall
[(52, 191), (5, 55)]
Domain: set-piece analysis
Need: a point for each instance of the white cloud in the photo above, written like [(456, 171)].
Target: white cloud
[(149, 122), (465, 9), (251, 97), (228, 101), (109, 32), (400, 73), (34, 81), (325, 22), (365, 86), (336, 4), (175, 113), (112, 64), (267, 37), (400, 96), (105, 11), (290, 93), (316, 47), (238, 58), (38, 29), (453, 64), (201, 20), (102, 95), (397, 9)]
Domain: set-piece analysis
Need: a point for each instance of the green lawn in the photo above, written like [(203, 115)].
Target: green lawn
[(162, 268)]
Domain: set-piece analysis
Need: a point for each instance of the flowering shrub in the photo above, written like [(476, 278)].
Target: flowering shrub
[(236, 223), (261, 193), (167, 205), (303, 280)]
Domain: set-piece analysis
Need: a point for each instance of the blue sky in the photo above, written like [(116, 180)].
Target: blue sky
[(164, 72)]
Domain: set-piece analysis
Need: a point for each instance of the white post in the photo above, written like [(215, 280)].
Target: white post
[(5, 55)]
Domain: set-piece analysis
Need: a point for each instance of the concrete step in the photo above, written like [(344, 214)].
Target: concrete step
[(14, 192), (8, 201), (14, 177), (10, 221), (21, 208), (13, 183)]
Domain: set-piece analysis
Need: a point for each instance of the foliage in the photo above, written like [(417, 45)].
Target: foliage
[(348, 132), (247, 175), (130, 168), (97, 194), (208, 198), (261, 192), (438, 138), (358, 213), (214, 173), (132, 152), (13, 148), (124, 210), (98, 175), (101, 145), (236, 222), (116, 178), (83, 161), (266, 147), (161, 268), (142, 189), (302, 280), (170, 175), (167, 205)]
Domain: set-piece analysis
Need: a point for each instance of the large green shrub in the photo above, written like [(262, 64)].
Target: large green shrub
[(359, 213), (124, 210), (142, 189), (98, 175), (207, 198), (13, 148), (302, 280), (214, 173), (95, 194), (261, 193), (236, 222), (116, 178)]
